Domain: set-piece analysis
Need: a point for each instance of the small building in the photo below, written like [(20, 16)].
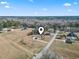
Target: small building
[(7, 29), (12, 29), (51, 30)]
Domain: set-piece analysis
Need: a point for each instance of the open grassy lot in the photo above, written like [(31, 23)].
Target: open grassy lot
[(65, 50), (69, 51), (17, 45), (8, 50)]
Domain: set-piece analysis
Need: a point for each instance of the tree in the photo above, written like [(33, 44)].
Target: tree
[(1, 27), (10, 23)]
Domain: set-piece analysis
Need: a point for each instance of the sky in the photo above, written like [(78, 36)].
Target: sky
[(39, 7)]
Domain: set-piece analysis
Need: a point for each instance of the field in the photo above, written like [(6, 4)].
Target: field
[(68, 51), (10, 51), (17, 45), (65, 50)]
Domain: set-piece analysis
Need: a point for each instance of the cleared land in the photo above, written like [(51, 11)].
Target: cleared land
[(69, 51), (65, 50), (17, 45), (10, 51)]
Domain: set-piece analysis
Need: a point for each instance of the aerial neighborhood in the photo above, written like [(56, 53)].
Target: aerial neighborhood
[(34, 35)]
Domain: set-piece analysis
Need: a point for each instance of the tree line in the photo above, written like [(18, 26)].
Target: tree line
[(9, 24), (18, 24)]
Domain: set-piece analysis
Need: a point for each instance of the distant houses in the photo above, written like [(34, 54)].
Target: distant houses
[(72, 29)]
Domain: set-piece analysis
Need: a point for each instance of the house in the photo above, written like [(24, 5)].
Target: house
[(73, 29), (71, 37)]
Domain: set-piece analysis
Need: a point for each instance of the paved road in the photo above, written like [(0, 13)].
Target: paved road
[(46, 48)]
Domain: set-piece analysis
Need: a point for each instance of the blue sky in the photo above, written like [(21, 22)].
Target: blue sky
[(39, 7)]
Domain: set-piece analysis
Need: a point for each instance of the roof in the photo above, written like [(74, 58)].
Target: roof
[(72, 34)]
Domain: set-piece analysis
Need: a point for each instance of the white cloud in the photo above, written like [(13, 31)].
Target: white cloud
[(67, 5), (7, 6), (4, 2), (31, 1), (45, 9), (75, 3)]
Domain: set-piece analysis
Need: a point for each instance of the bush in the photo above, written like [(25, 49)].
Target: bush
[(30, 33)]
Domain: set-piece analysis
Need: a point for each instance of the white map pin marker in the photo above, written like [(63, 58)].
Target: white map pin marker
[(41, 30)]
